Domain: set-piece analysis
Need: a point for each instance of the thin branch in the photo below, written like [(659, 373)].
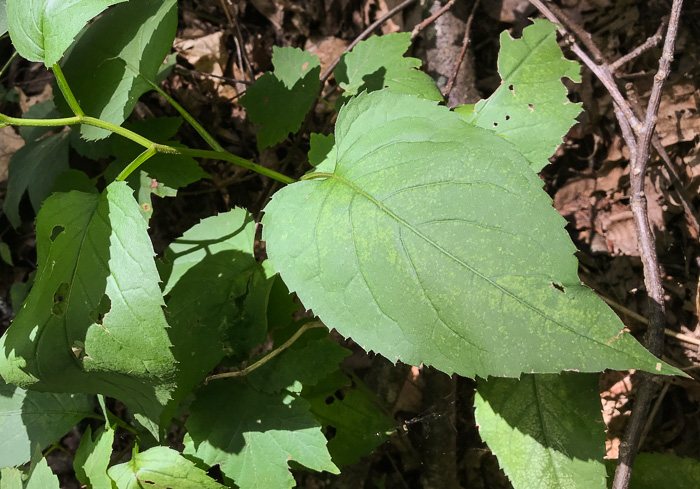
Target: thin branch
[(638, 137), (416, 30), (654, 337), (269, 356), (672, 173), (364, 34), (647, 45), (465, 44), (601, 71), (224, 7), (7, 64), (576, 30), (186, 71)]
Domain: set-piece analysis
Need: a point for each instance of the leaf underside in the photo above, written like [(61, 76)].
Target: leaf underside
[(433, 242)]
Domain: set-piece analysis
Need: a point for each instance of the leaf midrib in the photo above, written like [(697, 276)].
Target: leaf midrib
[(445, 252)]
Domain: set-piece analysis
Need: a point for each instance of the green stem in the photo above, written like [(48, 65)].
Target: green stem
[(147, 143), (116, 420), (66, 91), (226, 156), (57, 446), (122, 131), (18, 121), (2, 71), (138, 161), (191, 120), (269, 356)]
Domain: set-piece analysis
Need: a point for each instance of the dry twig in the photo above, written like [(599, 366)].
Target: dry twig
[(465, 44), (648, 44), (638, 138), (416, 30)]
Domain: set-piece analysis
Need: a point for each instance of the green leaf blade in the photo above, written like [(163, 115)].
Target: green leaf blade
[(359, 423), (129, 44), (546, 430), (531, 108), (93, 320), (92, 458), (40, 474), (34, 169), (428, 230), (35, 418), (42, 30), (379, 62), (280, 100), (216, 295), (160, 467), (261, 433), (3, 17)]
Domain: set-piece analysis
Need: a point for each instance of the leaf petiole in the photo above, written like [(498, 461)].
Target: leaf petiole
[(66, 91), (138, 161)]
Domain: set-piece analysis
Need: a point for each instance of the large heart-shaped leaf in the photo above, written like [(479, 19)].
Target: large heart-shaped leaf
[(93, 321), (42, 30), (432, 241)]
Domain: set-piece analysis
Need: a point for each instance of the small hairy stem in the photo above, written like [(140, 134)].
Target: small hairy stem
[(122, 131), (18, 121), (269, 356), (66, 91), (138, 161)]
